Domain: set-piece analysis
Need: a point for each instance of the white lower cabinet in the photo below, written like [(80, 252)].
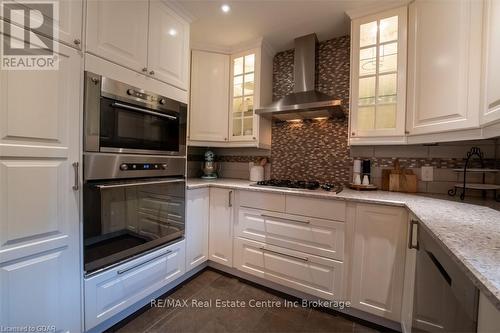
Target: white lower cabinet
[(220, 245), (378, 260), (197, 219), (110, 292), (311, 235), (308, 273)]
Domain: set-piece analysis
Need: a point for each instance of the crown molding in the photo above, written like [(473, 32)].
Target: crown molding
[(375, 8), (177, 7), (250, 44)]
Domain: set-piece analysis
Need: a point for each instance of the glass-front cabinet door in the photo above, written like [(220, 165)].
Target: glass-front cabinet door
[(243, 96), (378, 74)]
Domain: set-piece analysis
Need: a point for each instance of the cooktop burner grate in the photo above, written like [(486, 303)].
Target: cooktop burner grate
[(301, 184)]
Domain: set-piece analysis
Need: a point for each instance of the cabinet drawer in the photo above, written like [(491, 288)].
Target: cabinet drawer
[(320, 208), (311, 235), (261, 200), (308, 273), (110, 292)]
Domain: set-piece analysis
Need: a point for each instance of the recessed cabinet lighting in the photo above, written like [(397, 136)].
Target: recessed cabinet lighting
[(172, 32), (225, 8)]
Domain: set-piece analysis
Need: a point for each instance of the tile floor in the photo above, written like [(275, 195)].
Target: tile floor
[(211, 285)]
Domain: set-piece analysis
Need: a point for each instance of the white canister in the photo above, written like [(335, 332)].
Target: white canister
[(257, 173), (356, 167)]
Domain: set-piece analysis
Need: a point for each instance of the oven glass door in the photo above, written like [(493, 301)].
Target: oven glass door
[(127, 126), (125, 218)]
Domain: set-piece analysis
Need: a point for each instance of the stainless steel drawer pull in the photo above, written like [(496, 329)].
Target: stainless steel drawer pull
[(230, 202), (76, 185), (121, 271), (284, 254), (133, 108), (284, 218)]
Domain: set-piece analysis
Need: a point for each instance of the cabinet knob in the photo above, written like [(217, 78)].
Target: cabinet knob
[(254, 138), (144, 69), (353, 133), (407, 132), (77, 41), (225, 139), (152, 73)]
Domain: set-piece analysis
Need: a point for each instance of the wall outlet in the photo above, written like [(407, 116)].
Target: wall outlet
[(427, 173)]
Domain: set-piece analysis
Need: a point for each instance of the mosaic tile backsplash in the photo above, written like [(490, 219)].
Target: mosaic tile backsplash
[(313, 149)]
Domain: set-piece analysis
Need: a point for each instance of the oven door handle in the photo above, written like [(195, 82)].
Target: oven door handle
[(134, 108), (105, 186)]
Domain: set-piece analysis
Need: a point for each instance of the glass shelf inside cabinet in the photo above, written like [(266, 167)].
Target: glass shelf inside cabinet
[(243, 95), (377, 83)]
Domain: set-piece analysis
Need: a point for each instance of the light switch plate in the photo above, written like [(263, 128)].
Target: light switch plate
[(427, 173)]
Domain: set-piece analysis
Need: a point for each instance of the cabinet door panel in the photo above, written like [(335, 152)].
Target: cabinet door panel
[(209, 110), (378, 92), (168, 46), (491, 107), (69, 23), (198, 212), (378, 260), (39, 214), (114, 290), (118, 31), (220, 245), (316, 236), (311, 274), (443, 65)]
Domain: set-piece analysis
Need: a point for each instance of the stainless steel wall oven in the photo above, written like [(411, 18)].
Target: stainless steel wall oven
[(134, 167), (121, 118)]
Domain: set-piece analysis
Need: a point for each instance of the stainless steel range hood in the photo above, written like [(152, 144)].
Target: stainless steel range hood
[(305, 102)]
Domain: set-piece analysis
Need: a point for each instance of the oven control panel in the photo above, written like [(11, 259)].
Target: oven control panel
[(143, 166)]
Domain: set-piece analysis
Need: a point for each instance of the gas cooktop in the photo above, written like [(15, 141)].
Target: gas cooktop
[(301, 185)]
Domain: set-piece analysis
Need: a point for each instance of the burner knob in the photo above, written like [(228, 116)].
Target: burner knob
[(123, 167), (130, 91), (164, 166), (162, 101)]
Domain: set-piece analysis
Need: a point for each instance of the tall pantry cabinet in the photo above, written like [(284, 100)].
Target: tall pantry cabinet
[(40, 268)]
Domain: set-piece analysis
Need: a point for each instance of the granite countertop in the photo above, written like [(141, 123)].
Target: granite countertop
[(468, 232)]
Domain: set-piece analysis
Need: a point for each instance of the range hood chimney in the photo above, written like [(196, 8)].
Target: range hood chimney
[(305, 102)]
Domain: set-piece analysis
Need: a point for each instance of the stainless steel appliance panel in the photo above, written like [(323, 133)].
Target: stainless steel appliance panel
[(445, 299), (111, 166), (125, 218), (125, 119)]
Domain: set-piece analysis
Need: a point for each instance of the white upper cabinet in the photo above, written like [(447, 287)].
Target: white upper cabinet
[(145, 36), (118, 31), (168, 46), (69, 21), (491, 80), (245, 72), (208, 114), (378, 75), (236, 85), (444, 65), (39, 225)]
